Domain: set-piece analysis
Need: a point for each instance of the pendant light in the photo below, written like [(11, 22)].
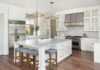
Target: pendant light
[(52, 17), (35, 16)]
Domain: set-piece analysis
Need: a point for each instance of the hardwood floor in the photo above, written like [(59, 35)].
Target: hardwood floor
[(77, 61)]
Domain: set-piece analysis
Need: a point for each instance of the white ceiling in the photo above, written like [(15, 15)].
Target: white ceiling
[(59, 5)]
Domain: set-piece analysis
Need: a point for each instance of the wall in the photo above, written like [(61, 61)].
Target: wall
[(2, 33), (14, 12), (4, 37), (78, 31), (75, 31)]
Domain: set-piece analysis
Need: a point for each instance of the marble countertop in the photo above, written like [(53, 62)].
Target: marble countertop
[(98, 41), (38, 43)]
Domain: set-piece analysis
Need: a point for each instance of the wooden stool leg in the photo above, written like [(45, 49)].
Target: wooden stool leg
[(27, 60), (56, 59), (50, 63), (34, 62), (21, 58), (15, 56)]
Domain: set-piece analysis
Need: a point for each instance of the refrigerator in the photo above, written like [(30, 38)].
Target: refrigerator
[(16, 32)]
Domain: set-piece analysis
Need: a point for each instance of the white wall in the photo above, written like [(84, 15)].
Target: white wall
[(78, 31), (75, 31), (4, 29), (1, 33), (92, 34)]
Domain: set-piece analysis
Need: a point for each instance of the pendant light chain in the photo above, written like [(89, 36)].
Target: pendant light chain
[(52, 3), (52, 12), (36, 5)]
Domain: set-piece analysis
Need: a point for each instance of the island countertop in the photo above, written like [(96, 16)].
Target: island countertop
[(39, 43)]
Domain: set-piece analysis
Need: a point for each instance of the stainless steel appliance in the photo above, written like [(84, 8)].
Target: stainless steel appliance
[(76, 42), (16, 31)]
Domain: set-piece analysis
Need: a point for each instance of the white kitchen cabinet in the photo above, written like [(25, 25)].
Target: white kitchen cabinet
[(91, 17), (97, 52), (64, 49), (61, 28), (61, 22), (16, 13), (87, 44)]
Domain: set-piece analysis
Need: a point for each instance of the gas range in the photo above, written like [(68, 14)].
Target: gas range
[(76, 43)]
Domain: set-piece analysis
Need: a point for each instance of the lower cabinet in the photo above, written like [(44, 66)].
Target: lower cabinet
[(64, 50), (87, 44), (97, 52)]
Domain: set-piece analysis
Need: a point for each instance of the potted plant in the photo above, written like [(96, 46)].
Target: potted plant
[(36, 29), (32, 30)]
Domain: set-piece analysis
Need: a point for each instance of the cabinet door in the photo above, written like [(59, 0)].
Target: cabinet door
[(73, 18), (80, 17), (16, 13), (61, 50), (87, 44), (95, 23), (95, 12), (21, 27), (67, 18), (91, 20), (87, 25), (91, 47), (83, 44), (87, 13)]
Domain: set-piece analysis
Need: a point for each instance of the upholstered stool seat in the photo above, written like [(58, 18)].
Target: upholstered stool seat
[(18, 49), (32, 52), (50, 51), (24, 50), (21, 50)]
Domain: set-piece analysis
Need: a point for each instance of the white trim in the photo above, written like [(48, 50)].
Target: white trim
[(5, 49)]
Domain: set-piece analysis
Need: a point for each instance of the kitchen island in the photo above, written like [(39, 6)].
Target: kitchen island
[(97, 52), (64, 48)]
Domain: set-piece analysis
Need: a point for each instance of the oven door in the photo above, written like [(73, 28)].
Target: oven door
[(76, 44)]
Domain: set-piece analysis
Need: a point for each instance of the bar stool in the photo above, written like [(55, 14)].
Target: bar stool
[(50, 52), (21, 52), (20, 57), (34, 53)]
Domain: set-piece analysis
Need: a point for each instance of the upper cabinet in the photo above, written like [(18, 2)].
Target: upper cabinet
[(60, 22), (68, 18), (74, 19), (91, 19), (80, 17), (16, 13)]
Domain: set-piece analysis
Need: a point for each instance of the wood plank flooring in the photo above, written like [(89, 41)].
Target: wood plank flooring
[(77, 61)]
